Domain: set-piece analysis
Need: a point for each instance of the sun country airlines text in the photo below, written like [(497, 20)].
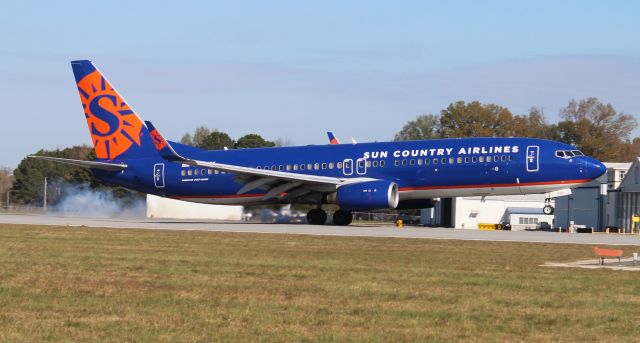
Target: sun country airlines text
[(506, 149)]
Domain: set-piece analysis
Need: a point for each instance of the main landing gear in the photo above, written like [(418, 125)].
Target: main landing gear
[(318, 216), (342, 217), (547, 209)]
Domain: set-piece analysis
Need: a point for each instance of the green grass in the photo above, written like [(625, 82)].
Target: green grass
[(72, 284)]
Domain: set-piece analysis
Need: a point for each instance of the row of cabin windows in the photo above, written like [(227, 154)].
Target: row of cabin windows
[(318, 166), (288, 167), (191, 172), (453, 160), (374, 164)]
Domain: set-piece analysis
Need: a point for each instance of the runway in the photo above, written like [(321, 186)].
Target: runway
[(357, 230)]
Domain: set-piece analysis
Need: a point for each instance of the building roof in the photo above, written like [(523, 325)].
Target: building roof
[(617, 165), (631, 182)]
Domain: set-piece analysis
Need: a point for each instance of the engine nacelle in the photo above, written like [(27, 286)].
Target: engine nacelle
[(369, 195)]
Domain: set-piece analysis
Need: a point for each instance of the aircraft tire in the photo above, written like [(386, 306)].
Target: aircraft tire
[(316, 216), (548, 209), (342, 217)]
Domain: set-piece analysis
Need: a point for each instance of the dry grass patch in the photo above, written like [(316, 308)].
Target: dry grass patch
[(77, 284)]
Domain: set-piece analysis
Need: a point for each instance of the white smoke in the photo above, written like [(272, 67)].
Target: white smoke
[(82, 200)]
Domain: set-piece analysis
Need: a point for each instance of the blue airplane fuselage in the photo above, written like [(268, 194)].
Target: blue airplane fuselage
[(421, 169)]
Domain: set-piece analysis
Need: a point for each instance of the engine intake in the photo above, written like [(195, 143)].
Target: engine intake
[(379, 194)]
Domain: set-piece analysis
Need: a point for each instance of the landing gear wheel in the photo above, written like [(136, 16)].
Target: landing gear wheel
[(316, 216), (342, 217), (547, 209)]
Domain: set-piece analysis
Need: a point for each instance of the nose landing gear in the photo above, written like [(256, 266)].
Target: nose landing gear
[(547, 209)]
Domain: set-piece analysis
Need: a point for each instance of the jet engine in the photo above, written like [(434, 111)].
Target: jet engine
[(379, 194)]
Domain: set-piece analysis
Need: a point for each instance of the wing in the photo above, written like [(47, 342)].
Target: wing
[(81, 163), (277, 182)]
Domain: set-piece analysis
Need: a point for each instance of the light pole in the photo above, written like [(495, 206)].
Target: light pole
[(44, 200)]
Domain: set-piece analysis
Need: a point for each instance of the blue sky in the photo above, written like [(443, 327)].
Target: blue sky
[(296, 69)]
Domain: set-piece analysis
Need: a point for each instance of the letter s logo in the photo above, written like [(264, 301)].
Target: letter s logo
[(109, 118)]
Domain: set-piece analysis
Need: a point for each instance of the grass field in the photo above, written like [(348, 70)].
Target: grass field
[(86, 285)]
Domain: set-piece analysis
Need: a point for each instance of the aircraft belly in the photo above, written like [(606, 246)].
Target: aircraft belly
[(410, 194)]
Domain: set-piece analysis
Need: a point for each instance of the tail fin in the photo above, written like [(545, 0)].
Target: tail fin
[(116, 130), (332, 138)]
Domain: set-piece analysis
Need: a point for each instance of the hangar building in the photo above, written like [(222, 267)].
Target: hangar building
[(608, 201)]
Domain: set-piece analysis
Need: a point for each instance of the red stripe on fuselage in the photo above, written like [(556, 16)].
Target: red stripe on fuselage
[(496, 185)]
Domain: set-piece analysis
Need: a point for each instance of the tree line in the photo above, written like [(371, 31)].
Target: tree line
[(596, 128)]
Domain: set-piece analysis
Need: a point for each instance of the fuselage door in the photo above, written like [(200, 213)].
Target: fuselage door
[(347, 166), (361, 166), (158, 175), (533, 158)]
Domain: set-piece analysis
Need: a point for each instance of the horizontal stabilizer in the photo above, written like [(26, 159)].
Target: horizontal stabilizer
[(81, 163), (162, 146)]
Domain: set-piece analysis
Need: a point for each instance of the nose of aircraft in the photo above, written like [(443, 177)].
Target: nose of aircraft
[(594, 168)]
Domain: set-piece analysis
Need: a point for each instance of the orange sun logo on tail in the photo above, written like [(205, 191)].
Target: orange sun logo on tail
[(113, 125)]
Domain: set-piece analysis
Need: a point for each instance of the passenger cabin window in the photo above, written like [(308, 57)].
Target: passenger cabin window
[(339, 165), (381, 163)]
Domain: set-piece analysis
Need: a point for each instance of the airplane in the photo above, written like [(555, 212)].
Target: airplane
[(365, 176)]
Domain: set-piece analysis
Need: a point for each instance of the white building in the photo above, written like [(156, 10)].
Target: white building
[(468, 212), (159, 207)]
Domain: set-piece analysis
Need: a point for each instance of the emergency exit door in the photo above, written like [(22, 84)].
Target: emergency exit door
[(533, 158)]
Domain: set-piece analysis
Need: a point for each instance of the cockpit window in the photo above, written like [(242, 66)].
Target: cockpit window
[(568, 153)]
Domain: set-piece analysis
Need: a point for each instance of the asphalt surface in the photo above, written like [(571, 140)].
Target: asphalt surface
[(356, 230)]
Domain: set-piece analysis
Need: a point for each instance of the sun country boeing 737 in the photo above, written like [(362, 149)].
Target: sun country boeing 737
[(363, 176)]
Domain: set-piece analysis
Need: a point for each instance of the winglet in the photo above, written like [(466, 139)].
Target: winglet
[(332, 138), (162, 146)]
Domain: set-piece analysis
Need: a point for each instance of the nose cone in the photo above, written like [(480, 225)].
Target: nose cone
[(594, 168)]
